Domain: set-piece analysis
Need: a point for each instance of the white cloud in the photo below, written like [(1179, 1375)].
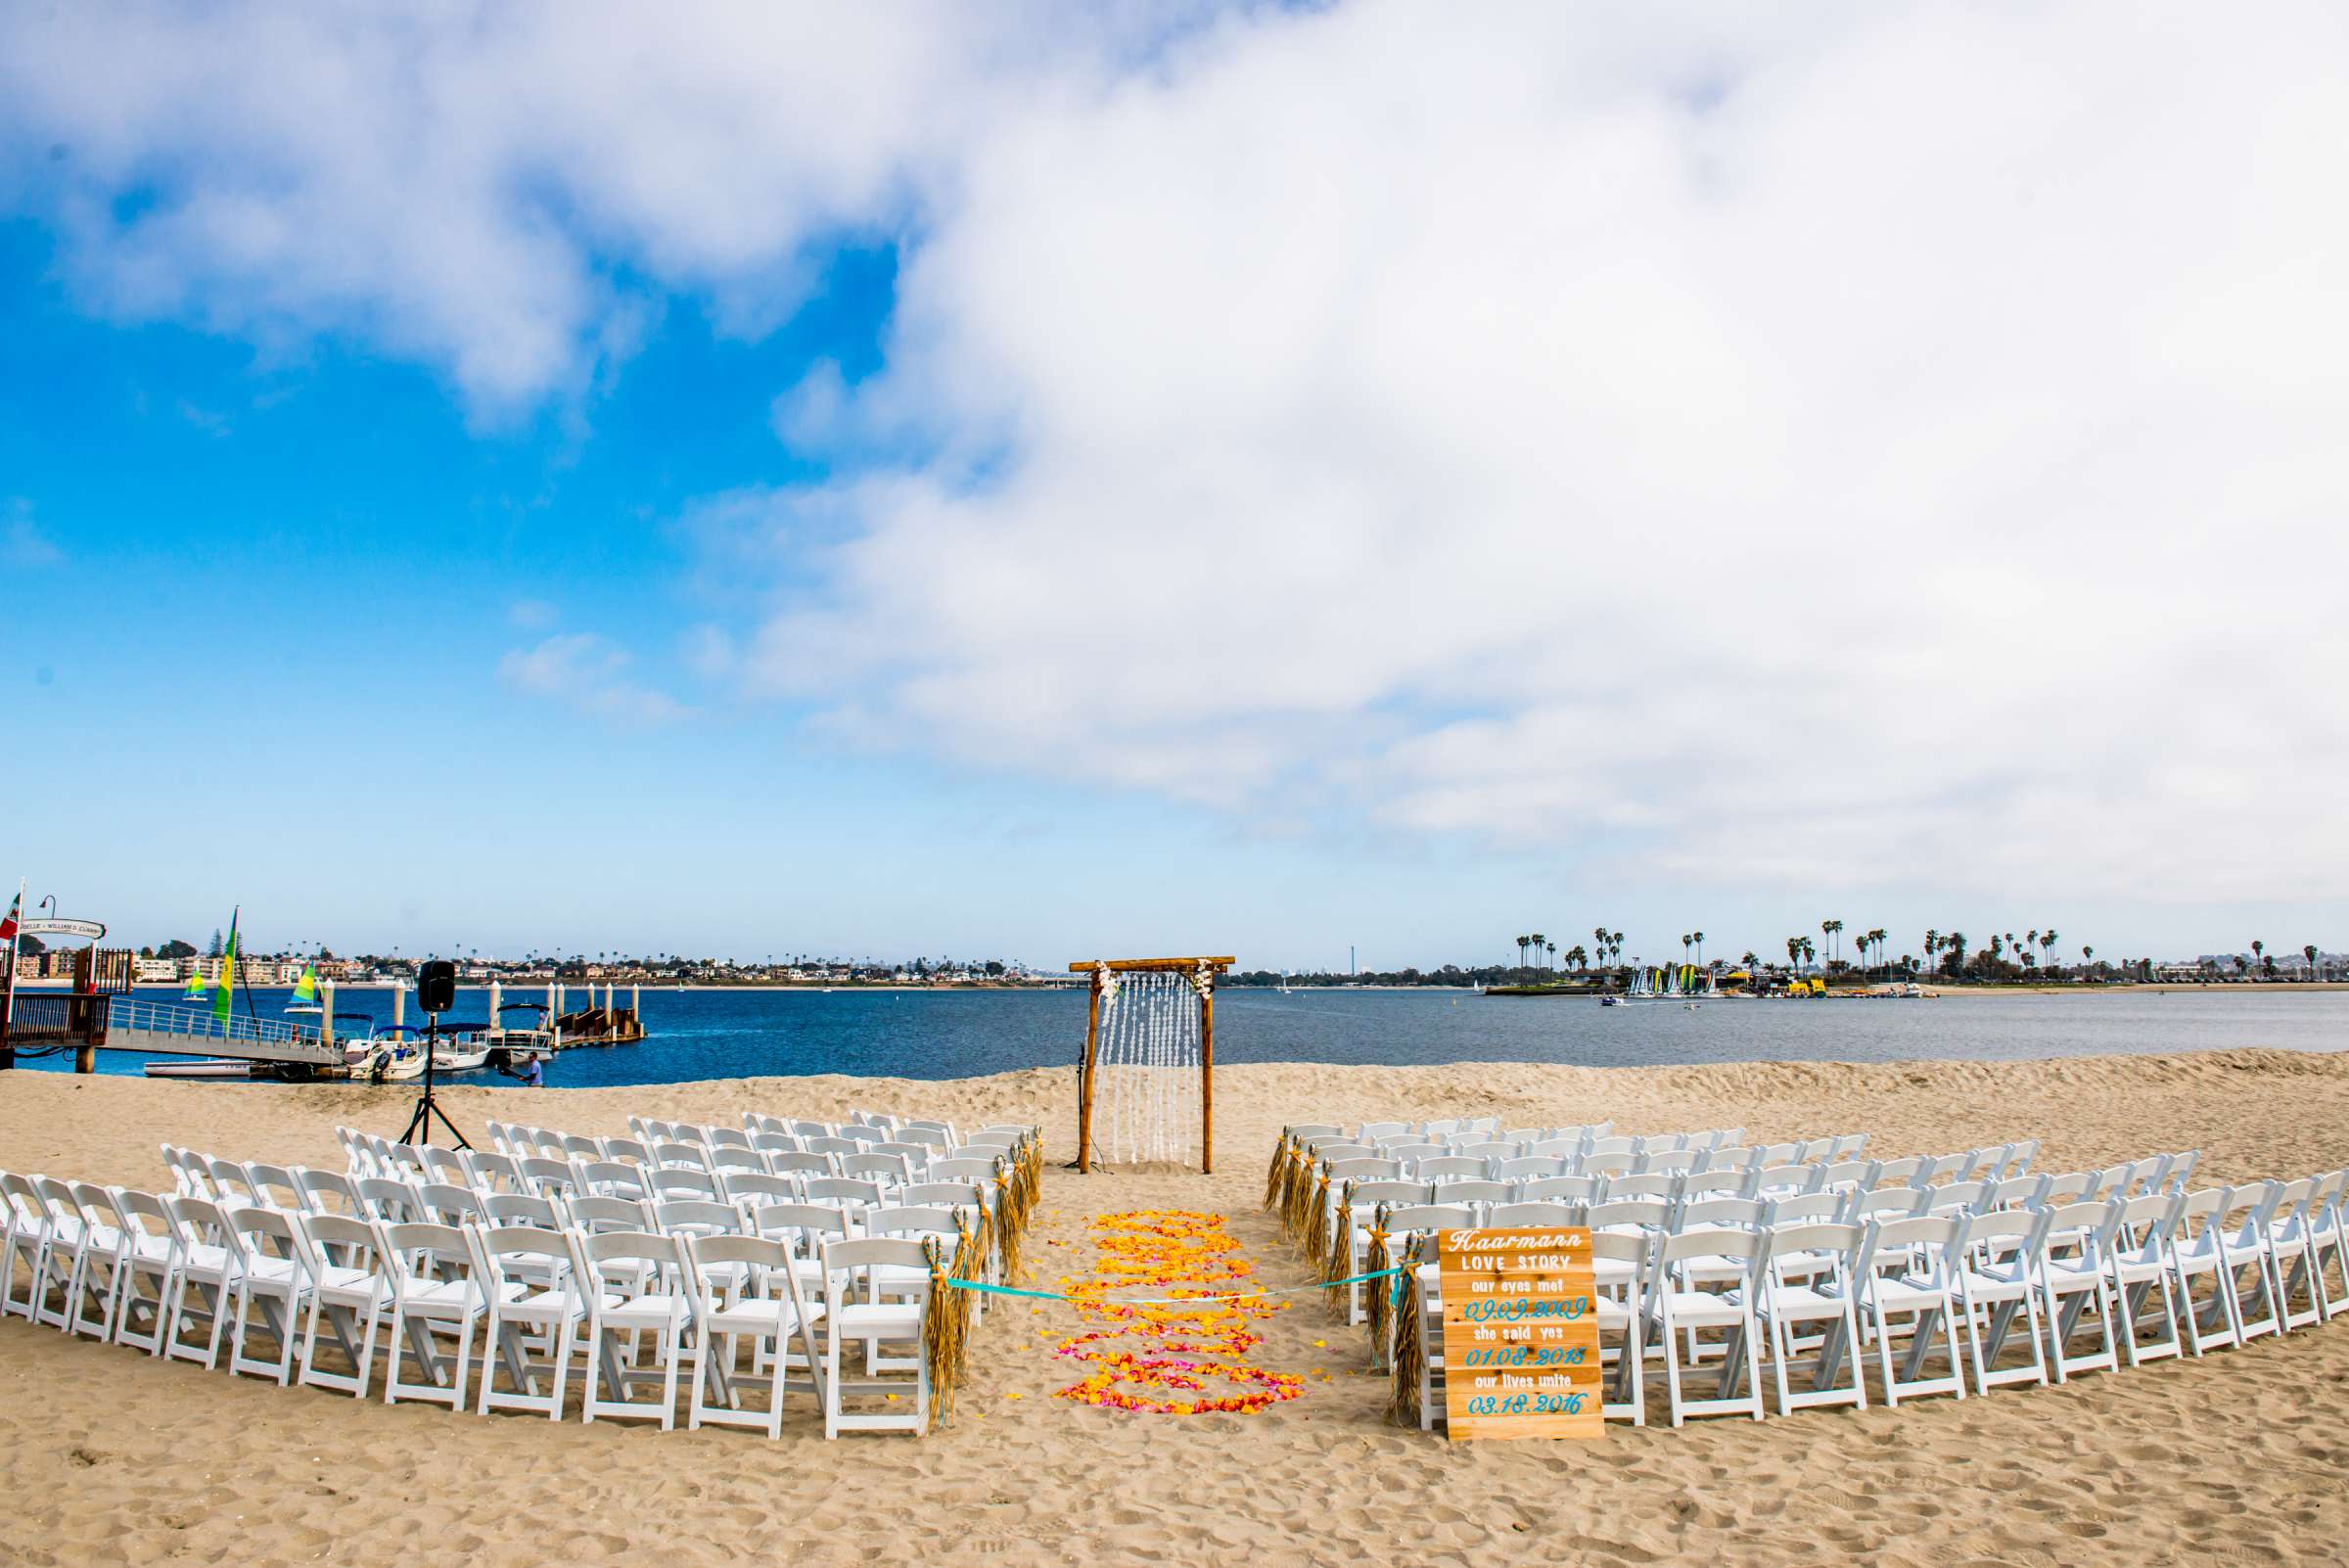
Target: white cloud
[(1861, 444), (531, 615), (588, 673)]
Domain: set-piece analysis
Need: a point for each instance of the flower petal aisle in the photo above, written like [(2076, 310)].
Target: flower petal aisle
[(1171, 1358)]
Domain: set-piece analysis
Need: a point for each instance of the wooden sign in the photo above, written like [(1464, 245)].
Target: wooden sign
[(1520, 1334)]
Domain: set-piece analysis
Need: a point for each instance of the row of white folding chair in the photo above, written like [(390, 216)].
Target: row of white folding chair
[(93, 1247), (2052, 1268), (736, 1147)]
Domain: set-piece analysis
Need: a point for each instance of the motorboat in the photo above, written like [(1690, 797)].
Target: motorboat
[(460, 1056), (202, 1069)]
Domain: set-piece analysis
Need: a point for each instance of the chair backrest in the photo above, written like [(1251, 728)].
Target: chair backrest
[(1901, 1173), (1611, 1146), (521, 1209), (1475, 1192), (618, 1257), (953, 1194), (2085, 1227), (329, 1191), (1561, 1189), (726, 1268), (1660, 1184), (728, 1158), (1786, 1178), (535, 1257), (450, 1204), (841, 1190), (2249, 1207), (887, 1168), (348, 1240), (831, 1145), (1529, 1167), (1411, 1219), (776, 1143), (679, 1217), (1901, 1244), (615, 1215), (1364, 1196), (1746, 1213), (913, 1219), (753, 1188), (1959, 1196), (681, 1156), (385, 1198), (1668, 1161), (139, 1212), (442, 1164), (493, 1172), (2027, 1228), (613, 1179), (268, 1234), (1810, 1241), (1808, 1208), (725, 1137), (425, 1254), (1732, 1157), (1370, 1171), (1699, 1184), (1506, 1215), (230, 1181), (1847, 1176), (2069, 1187), (636, 1152), (808, 1163), (544, 1176), (673, 1182), (845, 1261), (275, 1187), (1749, 1245), (803, 1222), (1649, 1214), (2017, 1192)]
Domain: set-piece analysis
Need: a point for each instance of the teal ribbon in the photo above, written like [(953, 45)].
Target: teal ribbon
[(1165, 1301)]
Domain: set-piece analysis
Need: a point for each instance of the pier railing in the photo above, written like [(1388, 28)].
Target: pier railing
[(168, 1018)]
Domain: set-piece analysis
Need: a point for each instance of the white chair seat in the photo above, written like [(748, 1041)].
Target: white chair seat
[(1895, 1294), (771, 1317), (1701, 1308), (643, 1312), (882, 1320)]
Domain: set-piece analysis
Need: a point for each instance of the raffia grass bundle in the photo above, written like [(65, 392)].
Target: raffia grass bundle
[(1382, 1291), (1280, 1169), (1338, 1262), (1410, 1353)]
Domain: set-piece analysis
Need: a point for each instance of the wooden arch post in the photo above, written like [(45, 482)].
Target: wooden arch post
[(1215, 969)]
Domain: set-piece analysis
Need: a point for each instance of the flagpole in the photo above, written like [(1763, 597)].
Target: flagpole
[(15, 940)]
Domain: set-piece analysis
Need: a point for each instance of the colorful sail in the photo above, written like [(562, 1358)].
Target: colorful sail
[(197, 984), (228, 975), (305, 989)]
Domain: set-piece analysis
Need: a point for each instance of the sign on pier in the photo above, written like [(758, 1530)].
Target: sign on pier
[(1521, 1355)]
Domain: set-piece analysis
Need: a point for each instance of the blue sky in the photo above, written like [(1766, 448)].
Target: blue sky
[(1043, 482)]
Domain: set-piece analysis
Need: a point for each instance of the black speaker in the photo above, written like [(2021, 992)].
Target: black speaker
[(435, 985)]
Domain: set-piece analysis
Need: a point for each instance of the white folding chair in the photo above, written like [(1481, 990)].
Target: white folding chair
[(349, 1283), (2075, 1277), (2001, 1259), (205, 1263), (635, 1285), (746, 1289), (434, 1288), (147, 1255), (2198, 1229), (2138, 1263), (1903, 1274), (274, 1279), (856, 1309), (1681, 1306), (533, 1310)]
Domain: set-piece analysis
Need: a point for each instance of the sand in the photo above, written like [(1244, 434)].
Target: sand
[(110, 1457)]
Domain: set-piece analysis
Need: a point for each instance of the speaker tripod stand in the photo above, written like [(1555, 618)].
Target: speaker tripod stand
[(420, 1125)]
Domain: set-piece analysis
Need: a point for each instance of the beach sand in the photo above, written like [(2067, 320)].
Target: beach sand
[(110, 1457)]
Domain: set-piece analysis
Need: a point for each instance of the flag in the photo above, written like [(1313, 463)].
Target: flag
[(228, 975), (8, 925)]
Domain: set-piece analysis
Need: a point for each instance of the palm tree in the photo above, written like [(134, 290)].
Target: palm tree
[(1521, 947), (1553, 955), (1954, 943), (1749, 960), (1580, 960), (2308, 950), (1700, 948), (1809, 953), (1794, 952), (1685, 938), (2047, 942), (2086, 953), (1827, 929), (2258, 948), (1615, 943), (1538, 940)]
